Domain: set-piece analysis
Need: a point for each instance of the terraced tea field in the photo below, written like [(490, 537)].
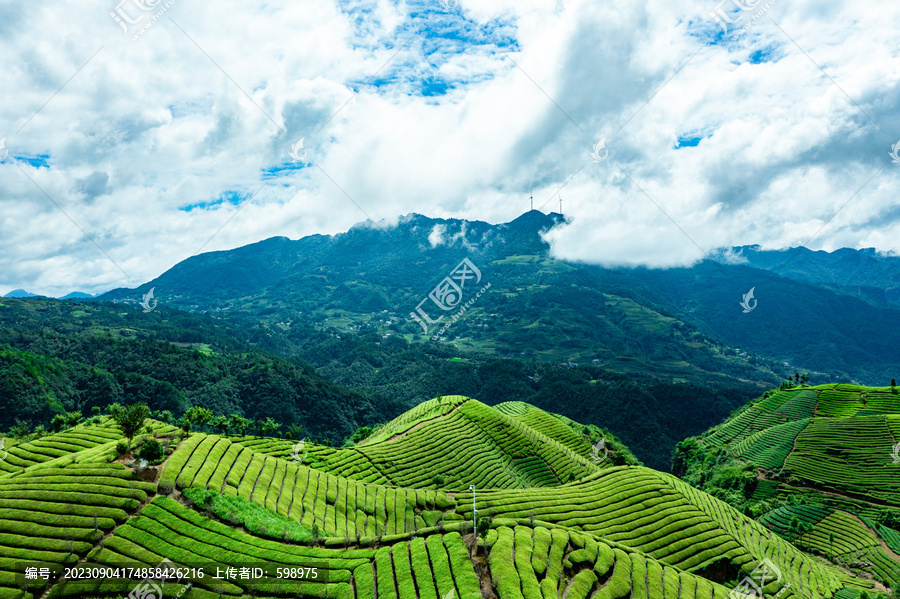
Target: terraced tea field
[(490, 448), (858, 544), (827, 460), (83, 443), (836, 442), (392, 518)]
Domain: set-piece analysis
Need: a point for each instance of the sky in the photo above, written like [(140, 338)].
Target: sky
[(137, 133)]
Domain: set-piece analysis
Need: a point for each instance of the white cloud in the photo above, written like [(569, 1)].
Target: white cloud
[(150, 127), (436, 237)]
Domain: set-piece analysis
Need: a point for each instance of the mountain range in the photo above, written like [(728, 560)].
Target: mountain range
[(593, 343), (828, 314), (865, 273), (21, 293)]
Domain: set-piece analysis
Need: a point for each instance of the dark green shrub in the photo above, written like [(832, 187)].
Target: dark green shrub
[(152, 451), (484, 525), (58, 422), (890, 518), (121, 447), (361, 433), (73, 418)]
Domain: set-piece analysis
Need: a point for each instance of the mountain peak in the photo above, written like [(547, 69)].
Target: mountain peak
[(20, 293), (76, 295), (535, 220)]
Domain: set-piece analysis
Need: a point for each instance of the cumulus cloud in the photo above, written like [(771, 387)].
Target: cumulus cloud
[(95, 184), (127, 156)]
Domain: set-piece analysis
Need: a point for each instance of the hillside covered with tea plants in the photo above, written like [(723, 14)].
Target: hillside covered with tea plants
[(563, 511), (818, 465)]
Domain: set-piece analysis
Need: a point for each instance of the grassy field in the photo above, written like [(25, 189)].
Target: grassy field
[(392, 517)]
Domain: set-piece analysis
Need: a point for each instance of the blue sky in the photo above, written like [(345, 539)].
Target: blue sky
[(130, 149)]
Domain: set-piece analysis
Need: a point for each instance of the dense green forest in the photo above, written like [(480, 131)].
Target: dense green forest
[(58, 357), (62, 356)]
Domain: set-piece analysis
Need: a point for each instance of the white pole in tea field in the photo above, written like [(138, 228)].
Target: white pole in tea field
[(474, 516)]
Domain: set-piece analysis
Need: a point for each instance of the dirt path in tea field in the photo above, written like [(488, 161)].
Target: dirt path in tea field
[(794, 444), (850, 497), (884, 545)]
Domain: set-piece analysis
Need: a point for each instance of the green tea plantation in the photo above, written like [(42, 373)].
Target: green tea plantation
[(453, 499)]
